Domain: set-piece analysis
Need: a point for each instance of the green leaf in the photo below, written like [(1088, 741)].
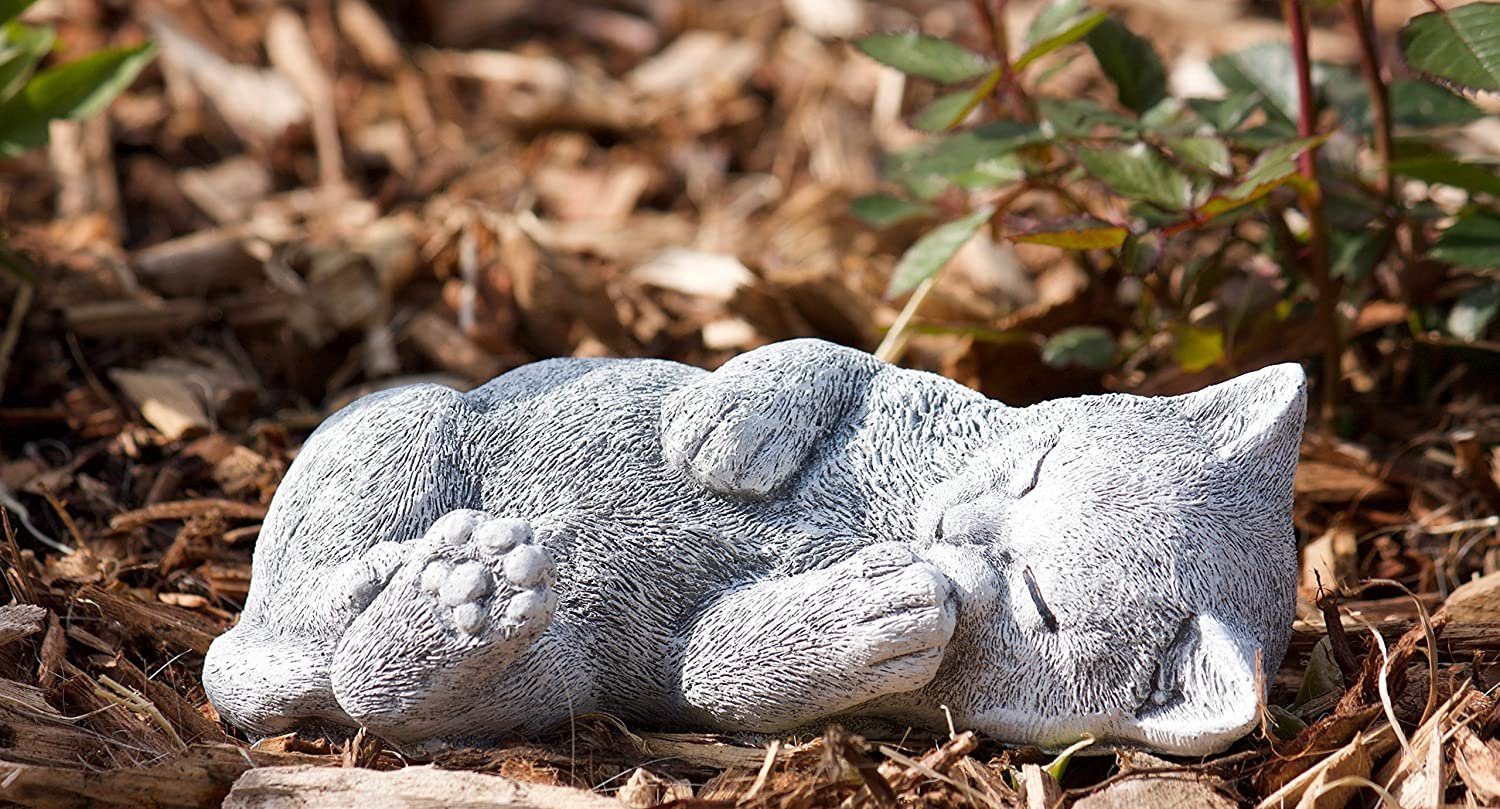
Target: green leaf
[(21, 47), (1422, 105), (1197, 347), (1267, 69), (928, 255), (1473, 312), (11, 9), (1458, 46), (1273, 168), (1002, 170), (1225, 114), (1130, 62), (1058, 16), (1084, 233), (1415, 105), (1078, 117), (75, 90), (1058, 26), (1088, 346), (884, 210), (1470, 175), (1473, 241), (1204, 152), (1285, 724), (945, 111), (1322, 676), (1138, 173), (926, 56), (961, 152), (1418, 104)]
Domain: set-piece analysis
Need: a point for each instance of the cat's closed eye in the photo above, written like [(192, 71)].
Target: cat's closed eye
[(1036, 473)]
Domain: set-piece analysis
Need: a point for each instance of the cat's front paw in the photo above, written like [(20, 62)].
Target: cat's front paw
[(901, 613), (738, 441)]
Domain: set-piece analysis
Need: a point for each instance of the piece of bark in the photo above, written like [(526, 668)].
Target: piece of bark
[(227, 190), (1474, 466), (169, 628), (1476, 602), (645, 789), (273, 787), (19, 621), (1478, 764), (1331, 560), (197, 777), (258, 104), (130, 318), (369, 35), (444, 344), (36, 733), (291, 52), (1323, 482), (1316, 783), (200, 263), (1039, 789), (166, 401), (1158, 792)]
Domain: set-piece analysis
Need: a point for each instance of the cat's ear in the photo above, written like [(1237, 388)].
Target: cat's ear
[(1255, 420)]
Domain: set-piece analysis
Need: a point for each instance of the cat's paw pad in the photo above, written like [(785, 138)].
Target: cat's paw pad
[(486, 576)]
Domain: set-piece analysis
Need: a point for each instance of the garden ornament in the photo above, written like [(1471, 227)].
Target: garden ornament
[(804, 534)]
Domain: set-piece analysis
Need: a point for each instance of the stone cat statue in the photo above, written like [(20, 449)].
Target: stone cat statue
[(804, 533)]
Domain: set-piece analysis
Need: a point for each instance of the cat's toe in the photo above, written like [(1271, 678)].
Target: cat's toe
[(494, 581)]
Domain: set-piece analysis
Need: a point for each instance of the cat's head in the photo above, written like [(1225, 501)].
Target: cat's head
[(1128, 565)]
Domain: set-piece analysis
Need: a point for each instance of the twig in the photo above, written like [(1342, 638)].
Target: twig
[(183, 509), (1311, 195), (12, 333)]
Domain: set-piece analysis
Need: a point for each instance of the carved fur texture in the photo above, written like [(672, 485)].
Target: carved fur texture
[(802, 534)]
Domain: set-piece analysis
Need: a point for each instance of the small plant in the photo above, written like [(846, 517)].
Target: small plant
[(31, 99), (1153, 183)]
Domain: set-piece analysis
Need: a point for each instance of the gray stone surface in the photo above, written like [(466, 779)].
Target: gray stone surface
[(804, 533)]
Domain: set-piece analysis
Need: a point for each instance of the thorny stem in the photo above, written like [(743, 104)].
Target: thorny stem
[(1369, 60), (1311, 195)]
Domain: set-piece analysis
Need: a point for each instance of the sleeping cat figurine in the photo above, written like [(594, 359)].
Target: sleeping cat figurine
[(804, 533)]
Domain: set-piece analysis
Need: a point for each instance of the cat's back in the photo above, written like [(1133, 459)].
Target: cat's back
[(571, 434)]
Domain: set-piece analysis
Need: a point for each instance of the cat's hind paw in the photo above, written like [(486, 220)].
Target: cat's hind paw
[(473, 593)]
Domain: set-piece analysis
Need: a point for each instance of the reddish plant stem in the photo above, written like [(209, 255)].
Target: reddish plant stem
[(1380, 107), (1311, 195), (993, 21)]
